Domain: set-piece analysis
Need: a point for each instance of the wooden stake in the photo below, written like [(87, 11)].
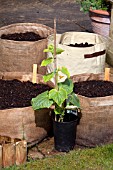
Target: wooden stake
[(107, 74), (21, 152), (34, 73), (55, 59), (8, 154), (0, 156)]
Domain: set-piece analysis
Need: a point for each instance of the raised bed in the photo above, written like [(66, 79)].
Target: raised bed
[(24, 122), (23, 47), (79, 57), (96, 124)]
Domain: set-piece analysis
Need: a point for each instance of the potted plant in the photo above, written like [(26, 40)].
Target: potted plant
[(99, 12), (62, 100)]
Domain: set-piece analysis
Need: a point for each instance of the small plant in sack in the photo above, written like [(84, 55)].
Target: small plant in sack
[(63, 101)]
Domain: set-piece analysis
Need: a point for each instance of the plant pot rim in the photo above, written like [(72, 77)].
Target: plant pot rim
[(100, 11), (67, 121)]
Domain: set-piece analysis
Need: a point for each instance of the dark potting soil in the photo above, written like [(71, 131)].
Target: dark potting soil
[(27, 36), (94, 88), (81, 45), (14, 93)]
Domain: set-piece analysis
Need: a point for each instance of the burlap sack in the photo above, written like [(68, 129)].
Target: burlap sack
[(19, 56), (25, 122), (80, 60), (109, 53), (96, 124)]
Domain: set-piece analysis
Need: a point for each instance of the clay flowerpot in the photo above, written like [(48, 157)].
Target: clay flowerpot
[(100, 21)]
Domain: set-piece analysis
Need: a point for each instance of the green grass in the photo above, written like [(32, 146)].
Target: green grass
[(99, 158)]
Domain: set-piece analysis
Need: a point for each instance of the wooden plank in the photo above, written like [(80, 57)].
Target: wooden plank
[(8, 154), (0, 156), (21, 152)]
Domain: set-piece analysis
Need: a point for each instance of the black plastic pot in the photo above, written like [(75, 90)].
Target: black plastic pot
[(65, 134)]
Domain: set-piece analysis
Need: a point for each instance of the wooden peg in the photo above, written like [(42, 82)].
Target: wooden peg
[(34, 73), (21, 152), (107, 74)]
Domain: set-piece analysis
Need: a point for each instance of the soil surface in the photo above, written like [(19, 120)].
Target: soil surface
[(81, 45), (14, 93), (27, 36), (94, 88)]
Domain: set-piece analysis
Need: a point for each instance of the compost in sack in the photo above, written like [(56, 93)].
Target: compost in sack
[(78, 60), (96, 124), (19, 54), (18, 119)]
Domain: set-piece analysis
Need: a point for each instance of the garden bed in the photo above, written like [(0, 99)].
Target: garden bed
[(22, 45), (83, 52), (20, 120), (95, 127)]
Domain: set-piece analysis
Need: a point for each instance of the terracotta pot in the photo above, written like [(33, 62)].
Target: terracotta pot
[(100, 21)]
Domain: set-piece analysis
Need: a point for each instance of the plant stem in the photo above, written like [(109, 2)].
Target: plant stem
[(55, 118)]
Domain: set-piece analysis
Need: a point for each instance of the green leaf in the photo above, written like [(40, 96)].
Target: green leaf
[(59, 111), (47, 61), (46, 50), (73, 100), (67, 85), (65, 71), (41, 101), (59, 50), (58, 96), (48, 77), (51, 49)]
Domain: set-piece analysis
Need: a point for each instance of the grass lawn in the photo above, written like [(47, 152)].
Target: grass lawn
[(99, 158)]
